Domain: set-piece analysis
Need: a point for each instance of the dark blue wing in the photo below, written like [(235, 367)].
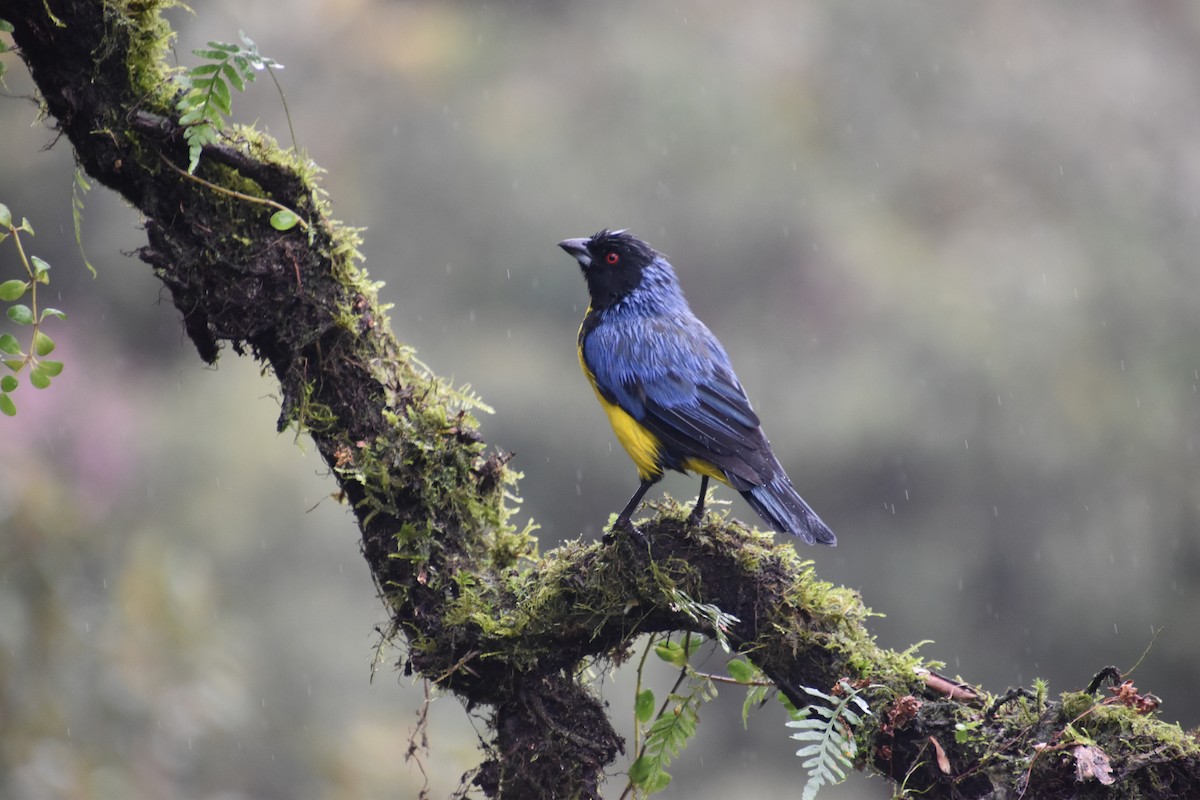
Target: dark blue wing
[(675, 379)]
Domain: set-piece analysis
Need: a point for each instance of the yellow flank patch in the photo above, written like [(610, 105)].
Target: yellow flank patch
[(641, 444), (704, 468)]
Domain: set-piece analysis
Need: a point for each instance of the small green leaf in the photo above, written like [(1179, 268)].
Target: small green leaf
[(643, 706), (672, 653), (640, 770), (15, 364), (244, 66), (657, 781), (40, 269), (233, 76), (755, 696), (740, 671), (8, 383), (51, 368), (20, 314), (964, 730), (213, 55), (25, 226), (284, 220), (5, 216), (204, 69), (213, 114), (38, 377), (6, 26), (43, 345), (9, 344), (53, 312), (13, 290), (6, 405), (220, 94)]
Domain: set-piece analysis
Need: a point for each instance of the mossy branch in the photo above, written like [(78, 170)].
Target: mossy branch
[(475, 611)]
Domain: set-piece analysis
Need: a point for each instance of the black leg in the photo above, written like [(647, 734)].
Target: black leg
[(698, 512), (622, 523)]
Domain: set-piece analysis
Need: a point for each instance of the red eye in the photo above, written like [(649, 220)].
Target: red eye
[(612, 258)]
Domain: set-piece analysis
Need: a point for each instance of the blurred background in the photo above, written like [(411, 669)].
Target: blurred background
[(951, 249)]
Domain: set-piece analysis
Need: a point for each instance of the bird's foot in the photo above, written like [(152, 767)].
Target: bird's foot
[(624, 526), (696, 518)]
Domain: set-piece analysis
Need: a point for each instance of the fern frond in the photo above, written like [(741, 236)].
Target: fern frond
[(666, 739), (827, 729), (207, 100), (719, 621)]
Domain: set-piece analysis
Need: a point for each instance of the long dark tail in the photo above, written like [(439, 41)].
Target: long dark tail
[(781, 506)]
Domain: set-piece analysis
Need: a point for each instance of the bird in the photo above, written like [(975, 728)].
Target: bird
[(669, 389)]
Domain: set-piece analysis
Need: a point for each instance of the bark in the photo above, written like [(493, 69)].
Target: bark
[(474, 611)]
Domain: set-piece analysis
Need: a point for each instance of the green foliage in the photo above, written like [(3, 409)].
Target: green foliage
[(674, 653), (758, 687), (827, 729), (674, 725), (718, 620), (668, 736), (206, 101), (284, 219), (1041, 688), (24, 311), (643, 706), (5, 27), (966, 731), (741, 671), (80, 187)]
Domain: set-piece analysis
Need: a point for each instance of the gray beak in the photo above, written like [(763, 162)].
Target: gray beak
[(577, 249)]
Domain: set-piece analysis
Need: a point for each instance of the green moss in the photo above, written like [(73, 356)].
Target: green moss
[(1121, 723), (1076, 703), (150, 41)]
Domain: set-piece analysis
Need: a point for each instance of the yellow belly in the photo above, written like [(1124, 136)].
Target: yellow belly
[(639, 443)]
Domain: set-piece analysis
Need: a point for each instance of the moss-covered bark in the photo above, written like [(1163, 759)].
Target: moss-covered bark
[(475, 611)]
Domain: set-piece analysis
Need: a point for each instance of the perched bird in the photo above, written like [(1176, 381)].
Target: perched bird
[(668, 388)]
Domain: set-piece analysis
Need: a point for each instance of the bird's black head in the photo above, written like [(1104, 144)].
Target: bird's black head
[(612, 264)]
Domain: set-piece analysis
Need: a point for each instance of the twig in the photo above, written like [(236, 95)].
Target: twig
[(239, 195)]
